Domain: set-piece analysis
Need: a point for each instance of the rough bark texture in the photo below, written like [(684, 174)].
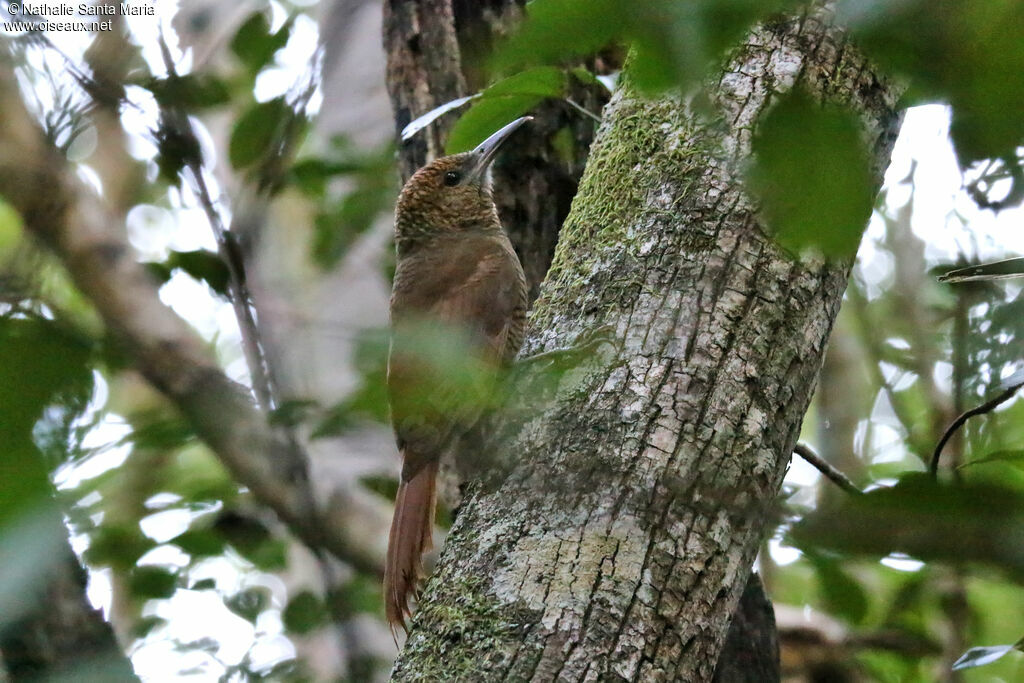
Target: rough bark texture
[(618, 546), (750, 653)]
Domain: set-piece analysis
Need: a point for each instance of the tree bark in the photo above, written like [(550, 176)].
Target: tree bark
[(750, 653), (620, 542)]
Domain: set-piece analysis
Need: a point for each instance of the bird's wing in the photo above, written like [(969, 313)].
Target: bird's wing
[(490, 301), (478, 287)]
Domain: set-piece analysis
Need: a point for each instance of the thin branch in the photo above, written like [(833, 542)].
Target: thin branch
[(238, 290), (826, 468), (260, 372), (985, 407), (69, 219), (581, 109)]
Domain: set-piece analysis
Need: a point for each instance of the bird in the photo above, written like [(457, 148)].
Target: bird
[(455, 269)]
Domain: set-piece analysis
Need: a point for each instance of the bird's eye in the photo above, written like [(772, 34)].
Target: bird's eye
[(452, 178)]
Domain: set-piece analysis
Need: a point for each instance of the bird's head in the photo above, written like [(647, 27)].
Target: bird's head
[(453, 193)]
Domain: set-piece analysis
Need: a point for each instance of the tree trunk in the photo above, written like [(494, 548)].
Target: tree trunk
[(60, 633), (620, 542), (750, 653)]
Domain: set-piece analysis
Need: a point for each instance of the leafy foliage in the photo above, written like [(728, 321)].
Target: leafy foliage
[(351, 190), (203, 265), (255, 44), (927, 520), (968, 54), (258, 132), (812, 176), (502, 102), (673, 43)]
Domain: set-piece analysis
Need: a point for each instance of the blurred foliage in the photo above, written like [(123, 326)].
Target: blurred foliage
[(968, 54), (255, 44), (813, 176), (351, 189), (502, 102), (159, 515), (202, 265), (811, 170), (966, 522)]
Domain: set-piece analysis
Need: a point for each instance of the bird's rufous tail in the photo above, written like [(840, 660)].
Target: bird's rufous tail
[(411, 535)]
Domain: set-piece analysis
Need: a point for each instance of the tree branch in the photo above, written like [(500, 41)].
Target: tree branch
[(238, 291), (826, 468), (986, 407), (74, 223)]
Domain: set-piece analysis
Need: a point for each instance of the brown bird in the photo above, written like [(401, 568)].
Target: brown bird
[(455, 269)]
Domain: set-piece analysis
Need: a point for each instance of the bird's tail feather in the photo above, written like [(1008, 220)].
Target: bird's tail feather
[(411, 535)]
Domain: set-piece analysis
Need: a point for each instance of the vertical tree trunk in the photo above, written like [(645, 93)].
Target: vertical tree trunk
[(61, 634), (619, 544)]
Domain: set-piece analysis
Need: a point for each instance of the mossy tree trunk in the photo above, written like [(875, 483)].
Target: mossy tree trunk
[(622, 537)]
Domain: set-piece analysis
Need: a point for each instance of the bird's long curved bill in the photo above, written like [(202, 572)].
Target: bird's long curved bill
[(484, 152)]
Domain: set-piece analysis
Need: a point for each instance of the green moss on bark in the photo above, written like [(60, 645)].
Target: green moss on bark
[(456, 623), (622, 206)]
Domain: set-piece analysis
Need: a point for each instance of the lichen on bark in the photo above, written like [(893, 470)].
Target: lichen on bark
[(618, 545)]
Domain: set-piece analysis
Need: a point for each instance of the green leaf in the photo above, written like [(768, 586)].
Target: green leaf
[(205, 266), (381, 485), (842, 595), (556, 30), (204, 585), (927, 520), (996, 270), (249, 603), (503, 102), (145, 625), (362, 594), (10, 228), (970, 54), (158, 430), (252, 539), (673, 43), (41, 364), (1013, 457), (812, 176), (980, 656), (152, 582), (258, 132), (190, 92), (304, 613), (255, 45), (310, 176), (117, 546), (200, 542), (335, 230)]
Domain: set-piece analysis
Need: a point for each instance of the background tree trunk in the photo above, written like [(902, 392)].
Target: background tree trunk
[(60, 632), (619, 544)]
